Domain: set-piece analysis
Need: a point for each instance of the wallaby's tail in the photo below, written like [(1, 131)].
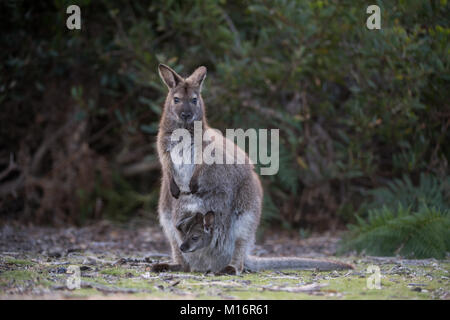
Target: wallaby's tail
[(273, 263)]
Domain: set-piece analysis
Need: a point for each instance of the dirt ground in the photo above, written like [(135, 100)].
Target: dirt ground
[(113, 263)]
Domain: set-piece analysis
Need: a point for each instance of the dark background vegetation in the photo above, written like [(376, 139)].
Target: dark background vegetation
[(364, 114)]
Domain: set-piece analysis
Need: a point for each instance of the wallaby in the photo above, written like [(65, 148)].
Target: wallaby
[(222, 186), (198, 232), (198, 246), (232, 191)]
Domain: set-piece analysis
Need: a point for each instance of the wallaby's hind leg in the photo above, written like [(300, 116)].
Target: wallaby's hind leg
[(164, 267), (177, 258), (247, 206), (228, 270), (177, 264), (165, 218), (237, 260), (176, 253), (244, 230)]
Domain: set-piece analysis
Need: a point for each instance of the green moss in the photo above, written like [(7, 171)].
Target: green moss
[(134, 283), (118, 272), (19, 262), (83, 292), (13, 278), (433, 279), (17, 275)]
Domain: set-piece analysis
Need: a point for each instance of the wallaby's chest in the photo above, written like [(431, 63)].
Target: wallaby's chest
[(182, 156)]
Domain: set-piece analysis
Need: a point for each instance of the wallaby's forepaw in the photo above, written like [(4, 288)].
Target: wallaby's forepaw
[(193, 185), (174, 190), (228, 270)]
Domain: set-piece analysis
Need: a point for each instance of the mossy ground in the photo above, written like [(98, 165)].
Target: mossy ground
[(38, 276)]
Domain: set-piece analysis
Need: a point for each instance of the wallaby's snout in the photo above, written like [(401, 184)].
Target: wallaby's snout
[(184, 247), (186, 114)]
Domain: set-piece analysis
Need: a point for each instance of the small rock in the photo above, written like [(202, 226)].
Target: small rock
[(175, 283), (148, 260), (120, 261), (416, 284), (55, 253), (61, 270)]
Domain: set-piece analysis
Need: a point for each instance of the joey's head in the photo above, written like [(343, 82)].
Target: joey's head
[(196, 231), (184, 103)]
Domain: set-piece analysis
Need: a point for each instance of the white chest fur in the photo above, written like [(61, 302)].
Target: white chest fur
[(182, 155)]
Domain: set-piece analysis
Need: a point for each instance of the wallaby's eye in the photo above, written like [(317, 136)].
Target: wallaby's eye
[(176, 100), (195, 238), (194, 100)]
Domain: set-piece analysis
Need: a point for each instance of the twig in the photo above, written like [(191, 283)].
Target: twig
[(10, 187), (140, 167), (237, 40), (264, 111), (306, 288), (94, 260), (106, 289), (47, 143), (11, 166)]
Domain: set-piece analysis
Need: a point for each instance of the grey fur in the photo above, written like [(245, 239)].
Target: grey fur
[(232, 191), (281, 263)]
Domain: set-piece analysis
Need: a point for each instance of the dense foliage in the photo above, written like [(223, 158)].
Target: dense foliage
[(356, 108), (412, 221)]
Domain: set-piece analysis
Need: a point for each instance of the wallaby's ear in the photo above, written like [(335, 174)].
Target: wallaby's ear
[(198, 217), (179, 224), (197, 77), (208, 221), (182, 222), (169, 76)]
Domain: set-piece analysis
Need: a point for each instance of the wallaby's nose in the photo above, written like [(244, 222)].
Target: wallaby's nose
[(183, 247), (186, 115)]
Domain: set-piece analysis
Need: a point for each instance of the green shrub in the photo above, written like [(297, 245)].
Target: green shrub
[(430, 191), (424, 233), (412, 221)]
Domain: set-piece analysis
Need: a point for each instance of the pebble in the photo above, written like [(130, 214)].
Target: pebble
[(54, 253), (61, 270)]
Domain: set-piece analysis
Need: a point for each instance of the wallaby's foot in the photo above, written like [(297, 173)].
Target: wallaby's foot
[(345, 266), (164, 267), (160, 267), (174, 190), (229, 270)]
